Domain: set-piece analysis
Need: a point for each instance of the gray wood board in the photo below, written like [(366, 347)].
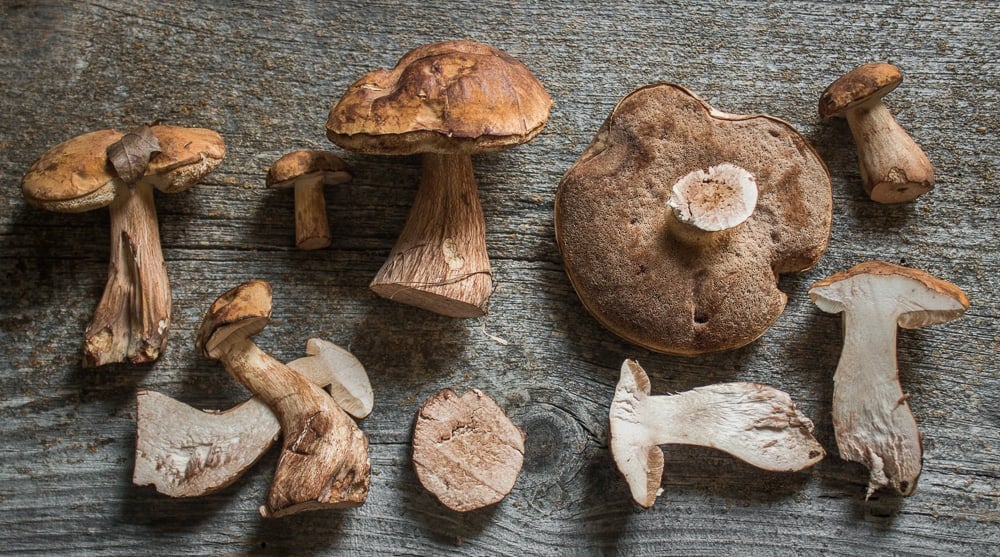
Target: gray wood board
[(266, 74)]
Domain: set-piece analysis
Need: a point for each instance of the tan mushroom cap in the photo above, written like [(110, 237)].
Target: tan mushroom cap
[(650, 285), (246, 309), (73, 176), (296, 164), (864, 83), (186, 156), (456, 97)]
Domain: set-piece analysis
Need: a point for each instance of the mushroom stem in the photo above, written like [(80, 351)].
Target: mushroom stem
[(894, 169), (132, 320), (707, 202), (439, 262), (312, 229)]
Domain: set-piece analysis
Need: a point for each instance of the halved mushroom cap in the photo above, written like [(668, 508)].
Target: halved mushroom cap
[(306, 163), (186, 156), (920, 298), (245, 309), (456, 97), (617, 236), (73, 176), (864, 83)]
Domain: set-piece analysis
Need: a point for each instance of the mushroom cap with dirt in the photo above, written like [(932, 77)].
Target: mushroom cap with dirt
[(446, 101), (652, 223)]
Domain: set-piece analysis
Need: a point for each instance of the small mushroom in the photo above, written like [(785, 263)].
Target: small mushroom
[(307, 172), (676, 221), (871, 416), (447, 101), (185, 452), (894, 169), (466, 451), (755, 423), (324, 456), (132, 320)]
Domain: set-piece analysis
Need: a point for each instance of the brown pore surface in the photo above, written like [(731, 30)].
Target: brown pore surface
[(646, 283), (466, 451)]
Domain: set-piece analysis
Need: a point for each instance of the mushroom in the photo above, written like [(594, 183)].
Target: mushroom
[(871, 416), (307, 172), (185, 452), (894, 169), (676, 221), (755, 423), (132, 320), (466, 451), (324, 456), (447, 101)]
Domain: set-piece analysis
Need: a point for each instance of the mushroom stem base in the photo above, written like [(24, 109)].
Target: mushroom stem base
[(439, 262)]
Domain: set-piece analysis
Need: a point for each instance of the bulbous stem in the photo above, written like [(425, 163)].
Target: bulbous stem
[(312, 228), (894, 169), (439, 262), (132, 320)]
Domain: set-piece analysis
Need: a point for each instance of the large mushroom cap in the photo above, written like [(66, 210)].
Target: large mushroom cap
[(649, 284), (870, 81), (186, 156), (74, 176), (920, 298), (329, 167), (450, 97), (244, 311)]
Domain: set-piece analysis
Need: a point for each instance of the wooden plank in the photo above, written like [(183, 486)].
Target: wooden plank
[(266, 74)]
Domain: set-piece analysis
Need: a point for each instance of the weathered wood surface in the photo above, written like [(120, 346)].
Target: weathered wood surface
[(265, 77)]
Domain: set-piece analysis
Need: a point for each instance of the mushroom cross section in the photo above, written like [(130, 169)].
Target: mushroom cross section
[(894, 169), (446, 101), (677, 219), (186, 452), (132, 320), (324, 458), (755, 423), (872, 420), (306, 172)]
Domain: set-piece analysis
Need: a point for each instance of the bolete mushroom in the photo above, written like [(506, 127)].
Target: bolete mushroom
[(466, 451), (446, 101), (306, 172), (132, 320), (871, 416), (755, 423), (676, 221), (324, 456), (894, 169), (185, 452)]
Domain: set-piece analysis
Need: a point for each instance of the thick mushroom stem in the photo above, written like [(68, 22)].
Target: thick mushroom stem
[(705, 203), (324, 458), (312, 228), (439, 263), (132, 320), (871, 418), (894, 169)]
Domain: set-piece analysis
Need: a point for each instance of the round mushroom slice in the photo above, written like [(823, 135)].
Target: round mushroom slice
[(676, 221), (307, 171), (132, 320), (446, 101)]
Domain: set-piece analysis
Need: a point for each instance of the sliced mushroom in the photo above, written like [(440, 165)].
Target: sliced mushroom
[(447, 101), (755, 423), (676, 221), (871, 416), (306, 172)]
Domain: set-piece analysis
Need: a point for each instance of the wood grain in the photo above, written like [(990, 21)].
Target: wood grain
[(264, 75)]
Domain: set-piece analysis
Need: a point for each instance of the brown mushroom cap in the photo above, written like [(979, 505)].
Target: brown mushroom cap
[(864, 83), (245, 310), (186, 156), (73, 176), (652, 286), (296, 164), (456, 97)]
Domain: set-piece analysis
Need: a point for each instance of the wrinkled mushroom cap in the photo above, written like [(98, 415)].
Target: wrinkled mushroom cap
[(456, 97), (73, 176), (643, 281), (186, 156), (284, 172), (921, 298), (241, 312), (864, 83)]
